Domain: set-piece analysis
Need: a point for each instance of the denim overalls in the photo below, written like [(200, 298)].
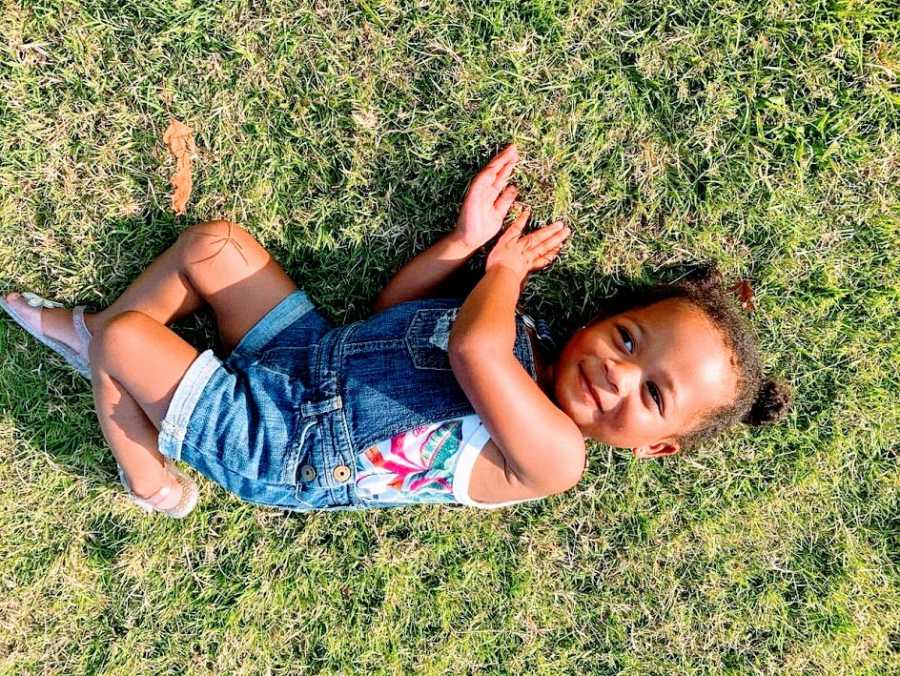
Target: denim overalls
[(281, 421)]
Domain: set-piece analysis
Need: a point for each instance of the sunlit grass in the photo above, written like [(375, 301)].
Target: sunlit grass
[(763, 136)]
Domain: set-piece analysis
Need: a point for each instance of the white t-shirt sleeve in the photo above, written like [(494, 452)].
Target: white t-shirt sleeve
[(472, 447)]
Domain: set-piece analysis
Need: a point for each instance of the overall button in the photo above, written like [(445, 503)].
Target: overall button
[(341, 473), (307, 472)]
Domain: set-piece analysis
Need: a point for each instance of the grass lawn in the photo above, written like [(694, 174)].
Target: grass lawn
[(762, 135)]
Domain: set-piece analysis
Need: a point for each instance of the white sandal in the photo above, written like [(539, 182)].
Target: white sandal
[(72, 357), (189, 494)]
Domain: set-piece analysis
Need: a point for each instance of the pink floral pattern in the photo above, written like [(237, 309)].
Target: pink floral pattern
[(414, 466)]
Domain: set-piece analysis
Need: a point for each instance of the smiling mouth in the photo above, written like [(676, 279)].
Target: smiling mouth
[(585, 383)]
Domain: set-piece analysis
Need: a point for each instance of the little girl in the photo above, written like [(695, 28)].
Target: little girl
[(428, 400)]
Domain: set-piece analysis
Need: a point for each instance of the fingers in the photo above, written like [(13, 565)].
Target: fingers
[(503, 174), (505, 200), (546, 243), (518, 225), (546, 259), (496, 173), (509, 154), (547, 238), (493, 177)]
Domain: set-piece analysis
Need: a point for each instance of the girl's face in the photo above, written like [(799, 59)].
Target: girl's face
[(642, 378)]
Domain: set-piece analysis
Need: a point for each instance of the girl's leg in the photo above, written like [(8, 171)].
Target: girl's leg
[(136, 364), (216, 262)]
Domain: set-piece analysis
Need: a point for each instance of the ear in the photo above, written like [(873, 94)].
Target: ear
[(658, 450)]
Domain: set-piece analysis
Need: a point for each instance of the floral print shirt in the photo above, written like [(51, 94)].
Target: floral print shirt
[(431, 463)]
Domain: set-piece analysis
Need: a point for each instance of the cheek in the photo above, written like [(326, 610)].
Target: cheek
[(567, 388), (589, 345)]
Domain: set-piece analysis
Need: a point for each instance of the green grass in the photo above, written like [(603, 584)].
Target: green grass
[(763, 135)]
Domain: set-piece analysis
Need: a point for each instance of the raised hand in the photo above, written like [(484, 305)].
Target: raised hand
[(524, 254), (487, 200)]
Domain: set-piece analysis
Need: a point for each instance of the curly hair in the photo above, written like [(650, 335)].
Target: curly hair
[(760, 400)]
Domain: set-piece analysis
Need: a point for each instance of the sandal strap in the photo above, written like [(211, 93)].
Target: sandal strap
[(186, 503), (157, 497), (72, 357), (153, 500), (84, 333), (35, 300), (189, 492)]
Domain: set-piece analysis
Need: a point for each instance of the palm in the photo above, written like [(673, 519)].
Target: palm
[(488, 199)]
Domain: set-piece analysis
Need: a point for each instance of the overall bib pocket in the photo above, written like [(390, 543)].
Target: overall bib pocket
[(428, 338)]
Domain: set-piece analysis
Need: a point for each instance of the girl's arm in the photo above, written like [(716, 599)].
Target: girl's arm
[(542, 449), (423, 274), (485, 205)]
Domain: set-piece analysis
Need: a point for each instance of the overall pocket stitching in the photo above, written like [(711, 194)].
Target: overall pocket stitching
[(418, 344), (289, 474), (364, 345)]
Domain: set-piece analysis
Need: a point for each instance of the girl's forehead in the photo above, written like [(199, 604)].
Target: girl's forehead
[(679, 318)]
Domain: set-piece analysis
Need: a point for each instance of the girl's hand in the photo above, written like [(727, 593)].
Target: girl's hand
[(487, 200), (524, 254)]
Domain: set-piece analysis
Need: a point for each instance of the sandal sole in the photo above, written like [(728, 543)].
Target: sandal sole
[(72, 358)]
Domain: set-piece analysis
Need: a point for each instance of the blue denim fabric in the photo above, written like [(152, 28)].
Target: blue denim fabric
[(281, 421)]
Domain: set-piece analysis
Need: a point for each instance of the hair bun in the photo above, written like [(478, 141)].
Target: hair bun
[(771, 404)]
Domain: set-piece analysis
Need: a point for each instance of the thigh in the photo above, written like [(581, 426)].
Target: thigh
[(147, 358), (234, 273)]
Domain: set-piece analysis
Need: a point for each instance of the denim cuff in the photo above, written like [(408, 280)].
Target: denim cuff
[(174, 426)]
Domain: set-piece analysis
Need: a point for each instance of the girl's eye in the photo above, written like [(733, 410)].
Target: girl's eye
[(627, 340), (655, 395)]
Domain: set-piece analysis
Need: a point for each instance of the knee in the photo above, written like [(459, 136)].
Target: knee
[(116, 336), (215, 229), (201, 240)]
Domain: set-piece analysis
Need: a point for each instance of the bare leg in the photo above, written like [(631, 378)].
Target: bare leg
[(129, 434), (216, 262), (137, 362)]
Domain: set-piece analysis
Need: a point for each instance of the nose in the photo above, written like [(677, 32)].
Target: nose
[(623, 376)]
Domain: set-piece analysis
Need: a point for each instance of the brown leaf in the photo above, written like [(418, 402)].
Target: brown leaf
[(745, 295), (179, 138)]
